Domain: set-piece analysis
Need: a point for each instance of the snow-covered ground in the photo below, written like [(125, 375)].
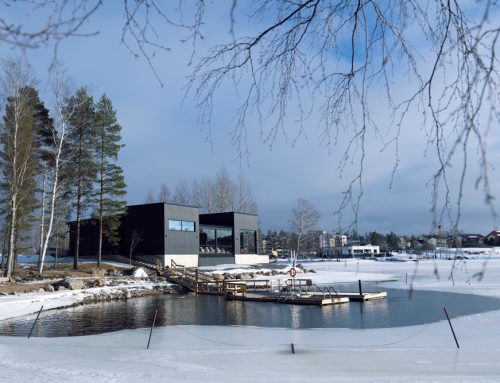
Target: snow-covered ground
[(424, 353)]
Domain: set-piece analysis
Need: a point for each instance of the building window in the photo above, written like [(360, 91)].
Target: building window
[(176, 225), (215, 240), (187, 226), (248, 242)]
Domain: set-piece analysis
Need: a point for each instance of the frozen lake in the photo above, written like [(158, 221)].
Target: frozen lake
[(395, 311)]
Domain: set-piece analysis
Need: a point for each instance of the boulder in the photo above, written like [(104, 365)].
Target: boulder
[(115, 273), (48, 287), (218, 277), (73, 284), (98, 283), (245, 276), (138, 272), (99, 273)]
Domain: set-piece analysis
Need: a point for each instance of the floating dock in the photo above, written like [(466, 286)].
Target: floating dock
[(292, 299), (359, 297), (293, 291)]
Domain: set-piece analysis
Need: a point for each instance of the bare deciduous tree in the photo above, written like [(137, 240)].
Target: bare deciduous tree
[(224, 191), (304, 217), (321, 58), (150, 197), (60, 133), (164, 193), (135, 239), (182, 194), (204, 195)]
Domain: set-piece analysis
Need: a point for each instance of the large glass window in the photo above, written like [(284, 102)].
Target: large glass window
[(248, 242), (216, 240), (207, 236), (225, 239), (177, 225)]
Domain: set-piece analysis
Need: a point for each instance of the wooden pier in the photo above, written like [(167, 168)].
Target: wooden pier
[(291, 299), (291, 291), (361, 297)]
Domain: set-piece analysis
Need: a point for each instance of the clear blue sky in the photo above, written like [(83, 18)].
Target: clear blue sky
[(164, 142)]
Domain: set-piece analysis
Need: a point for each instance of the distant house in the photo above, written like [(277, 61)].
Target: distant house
[(437, 241), (350, 251), (493, 239), (469, 240)]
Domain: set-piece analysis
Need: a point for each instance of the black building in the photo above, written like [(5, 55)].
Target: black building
[(178, 233)]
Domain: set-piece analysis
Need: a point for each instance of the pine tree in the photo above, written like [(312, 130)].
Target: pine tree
[(18, 156), (111, 182), (44, 144), (79, 150)]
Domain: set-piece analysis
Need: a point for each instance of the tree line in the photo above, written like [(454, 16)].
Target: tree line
[(216, 194), (55, 165)]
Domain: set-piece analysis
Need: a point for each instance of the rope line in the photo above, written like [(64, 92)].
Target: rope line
[(413, 335), (209, 339)]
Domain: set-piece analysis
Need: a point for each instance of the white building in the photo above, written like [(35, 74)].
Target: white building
[(350, 251)]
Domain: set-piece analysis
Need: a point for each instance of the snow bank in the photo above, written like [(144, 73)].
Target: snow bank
[(205, 354), (22, 304)]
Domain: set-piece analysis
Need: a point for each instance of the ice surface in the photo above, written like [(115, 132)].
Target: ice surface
[(424, 353)]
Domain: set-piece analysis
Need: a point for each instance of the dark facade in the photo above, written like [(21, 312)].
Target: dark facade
[(225, 236), (171, 232)]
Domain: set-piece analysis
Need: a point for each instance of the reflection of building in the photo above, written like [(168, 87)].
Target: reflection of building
[(177, 233), (350, 251)]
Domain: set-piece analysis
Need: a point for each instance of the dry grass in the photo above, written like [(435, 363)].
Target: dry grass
[(28, 275)]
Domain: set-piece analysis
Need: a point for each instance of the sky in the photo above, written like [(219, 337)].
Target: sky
[(165, 143)]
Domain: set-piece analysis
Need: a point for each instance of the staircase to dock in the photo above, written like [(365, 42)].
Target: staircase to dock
[(194, 280)]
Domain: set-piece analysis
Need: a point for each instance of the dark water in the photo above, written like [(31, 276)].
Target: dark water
[(394, 311)]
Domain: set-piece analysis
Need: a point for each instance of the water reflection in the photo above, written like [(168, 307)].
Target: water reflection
[(396, 310)]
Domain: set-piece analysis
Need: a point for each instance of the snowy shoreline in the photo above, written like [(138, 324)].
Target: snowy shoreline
[(12, 306), (424, 353)]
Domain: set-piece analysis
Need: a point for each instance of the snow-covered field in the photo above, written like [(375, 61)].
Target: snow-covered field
[(424, 353)]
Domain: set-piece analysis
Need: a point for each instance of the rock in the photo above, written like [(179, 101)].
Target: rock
[(115, 273), (48, 287), (139, 272), (73, 284), (98, 283), (41, 290), (245, 276), (218, 277), (128, 294), (99, 273)]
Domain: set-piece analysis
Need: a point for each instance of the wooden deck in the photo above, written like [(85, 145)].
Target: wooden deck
[(360, 297), (291, 291), (299, 299)]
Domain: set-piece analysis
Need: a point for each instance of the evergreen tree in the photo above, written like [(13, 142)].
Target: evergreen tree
[(79, 151), (111, 182), (18, 169), (44, 144)]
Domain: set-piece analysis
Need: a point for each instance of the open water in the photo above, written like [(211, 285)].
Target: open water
[(398, 309)]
